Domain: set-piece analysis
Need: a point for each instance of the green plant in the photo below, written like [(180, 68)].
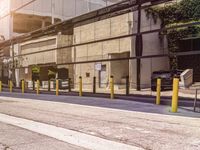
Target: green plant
[(181, 12), (36, 69)]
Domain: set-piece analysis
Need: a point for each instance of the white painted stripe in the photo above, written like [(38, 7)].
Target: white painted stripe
[(65, 135)]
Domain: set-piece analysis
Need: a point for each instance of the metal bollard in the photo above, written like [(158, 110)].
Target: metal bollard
[(195, 100), (127, 86), (0, 86), (38, 87), (112, 87), (49, 85), (57, 87), (23, 86), (33, 85), (158, 87), (11, 86), (175, 95), (94, 85), (80, 86), (69, 84)]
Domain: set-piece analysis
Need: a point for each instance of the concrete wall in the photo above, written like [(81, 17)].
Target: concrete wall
[(152, 64), (116, 26), (57, 56), (152, 45), (37, 46), (52, 57), (119, 69), (107, 28), (64, 55)]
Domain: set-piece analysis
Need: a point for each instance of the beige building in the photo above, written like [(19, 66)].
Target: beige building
[(46, 60), (22, 16), (121, 25), (118, 48)]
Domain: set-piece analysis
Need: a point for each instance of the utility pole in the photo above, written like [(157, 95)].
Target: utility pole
[(12, 49), (138, 47), (13, 64)]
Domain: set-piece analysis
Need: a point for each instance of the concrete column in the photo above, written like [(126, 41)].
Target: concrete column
[(43, 23), (52, 11)]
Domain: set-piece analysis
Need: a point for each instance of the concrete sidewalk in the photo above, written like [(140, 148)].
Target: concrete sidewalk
[(142, 104), (140, 96)]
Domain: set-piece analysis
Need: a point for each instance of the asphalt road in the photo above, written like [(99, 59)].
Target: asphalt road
[(140, 125), (121, 104), (165, 100)]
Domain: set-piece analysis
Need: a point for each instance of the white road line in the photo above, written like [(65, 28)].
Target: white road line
[(65, 135)]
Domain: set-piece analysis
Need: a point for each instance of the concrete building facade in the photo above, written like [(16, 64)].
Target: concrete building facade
[(111, 49), (118, 48), (46, 61), (32, 17), (22, 16)]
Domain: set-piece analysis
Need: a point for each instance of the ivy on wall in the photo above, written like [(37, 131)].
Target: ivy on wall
[(178, 12), (175, 35)]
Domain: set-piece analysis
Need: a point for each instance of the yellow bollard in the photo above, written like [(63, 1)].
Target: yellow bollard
[(175, 95), (11, 86), (23, 87), (0, 86), (38, 87), (112, 87), (80, 86), (158, 91), (57, 87)]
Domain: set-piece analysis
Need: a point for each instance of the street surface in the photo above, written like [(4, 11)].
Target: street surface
[(64, 122), (14, 138)]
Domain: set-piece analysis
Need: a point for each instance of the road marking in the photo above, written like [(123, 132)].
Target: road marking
[(65, 135)]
